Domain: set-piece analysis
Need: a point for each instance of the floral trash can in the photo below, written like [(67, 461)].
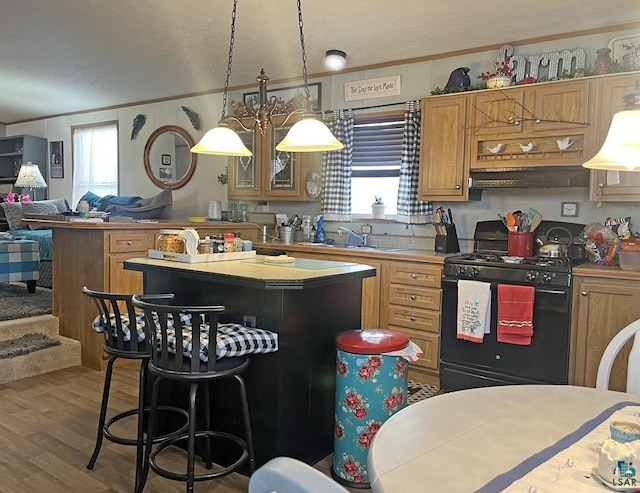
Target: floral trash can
[(370, 388)]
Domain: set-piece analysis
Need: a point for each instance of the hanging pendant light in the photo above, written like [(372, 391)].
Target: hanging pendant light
[(309, 134), (621, 148), (222, 141)]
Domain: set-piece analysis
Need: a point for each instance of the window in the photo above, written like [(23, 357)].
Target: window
[(375, 167), (95, 160)]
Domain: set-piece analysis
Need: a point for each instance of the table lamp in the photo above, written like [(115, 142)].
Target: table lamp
[(31, 178)]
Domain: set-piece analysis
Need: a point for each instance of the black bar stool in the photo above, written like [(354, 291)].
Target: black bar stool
[(183, 354), (124, 337)]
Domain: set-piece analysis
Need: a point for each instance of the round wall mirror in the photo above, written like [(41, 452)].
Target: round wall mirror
[(168, 160)]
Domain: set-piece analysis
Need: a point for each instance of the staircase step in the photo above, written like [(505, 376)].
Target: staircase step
[(46, 360), (42, 324), (42, 361)]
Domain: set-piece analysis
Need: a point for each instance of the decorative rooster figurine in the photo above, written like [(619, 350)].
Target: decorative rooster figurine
[(564, 144), (526, 147), (496, 149)]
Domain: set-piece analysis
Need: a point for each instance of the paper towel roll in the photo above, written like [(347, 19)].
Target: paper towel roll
[(215, 210)]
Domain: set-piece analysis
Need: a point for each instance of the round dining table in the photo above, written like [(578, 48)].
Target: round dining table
[(484, 439)]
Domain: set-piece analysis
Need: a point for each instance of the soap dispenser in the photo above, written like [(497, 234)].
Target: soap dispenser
[(320, 236)]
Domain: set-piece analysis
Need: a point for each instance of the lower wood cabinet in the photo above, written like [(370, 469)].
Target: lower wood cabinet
[(405, 296), (93, 255), (601, 308), (412, 297)]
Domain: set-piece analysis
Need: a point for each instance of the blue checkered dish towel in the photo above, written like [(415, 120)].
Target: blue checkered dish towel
[(232, 339)]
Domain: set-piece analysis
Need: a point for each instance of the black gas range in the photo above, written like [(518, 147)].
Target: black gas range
[(465, 364), (494, 267), (489, 261)]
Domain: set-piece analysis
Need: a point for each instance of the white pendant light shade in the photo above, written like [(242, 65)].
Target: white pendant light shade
[(621, 148), (221, 141), (309, 135)]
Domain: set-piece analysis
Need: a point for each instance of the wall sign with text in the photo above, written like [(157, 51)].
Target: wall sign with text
[(381, 87)]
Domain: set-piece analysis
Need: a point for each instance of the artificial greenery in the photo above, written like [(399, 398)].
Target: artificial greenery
[(223, 178)]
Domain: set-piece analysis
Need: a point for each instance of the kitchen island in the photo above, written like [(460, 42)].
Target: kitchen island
[(307, 302)]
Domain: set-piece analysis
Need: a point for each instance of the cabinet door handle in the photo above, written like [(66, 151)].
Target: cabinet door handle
[(413, 297), (584, 293), (413, 319), (458, 187), (129, 242), (414, 276)]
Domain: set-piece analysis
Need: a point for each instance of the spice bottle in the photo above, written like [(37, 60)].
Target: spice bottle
[(229, 245)]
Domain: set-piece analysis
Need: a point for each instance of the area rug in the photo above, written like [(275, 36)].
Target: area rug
[(417, 392), (26, 344), (16, 302)]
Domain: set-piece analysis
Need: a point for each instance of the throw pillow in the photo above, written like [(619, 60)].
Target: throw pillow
[(92, 199), (43, 207), (61, 205), (13, 213)]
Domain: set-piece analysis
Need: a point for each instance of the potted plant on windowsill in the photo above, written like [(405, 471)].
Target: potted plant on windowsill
[(501, 75), (378, 208)]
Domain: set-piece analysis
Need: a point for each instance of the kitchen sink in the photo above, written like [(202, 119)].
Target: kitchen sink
[(378, 249)]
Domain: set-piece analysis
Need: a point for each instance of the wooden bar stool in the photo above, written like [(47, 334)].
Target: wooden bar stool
[(124, 337), (189, 348)]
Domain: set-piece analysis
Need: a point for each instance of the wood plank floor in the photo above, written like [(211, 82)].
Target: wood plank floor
[(48, 427)]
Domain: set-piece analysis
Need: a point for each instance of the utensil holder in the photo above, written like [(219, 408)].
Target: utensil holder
[(520, 244), (448, 243)]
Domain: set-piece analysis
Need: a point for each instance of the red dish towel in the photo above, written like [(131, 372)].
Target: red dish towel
[(515, 314)]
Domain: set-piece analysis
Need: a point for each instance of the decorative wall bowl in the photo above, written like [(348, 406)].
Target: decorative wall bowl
[(498, 82)]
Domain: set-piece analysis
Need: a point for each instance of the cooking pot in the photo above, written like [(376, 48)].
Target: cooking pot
[(553, 249)]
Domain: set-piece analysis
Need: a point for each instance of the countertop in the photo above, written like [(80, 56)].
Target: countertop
[(151, 225), (301, 274), (363, 253), (605, 272)]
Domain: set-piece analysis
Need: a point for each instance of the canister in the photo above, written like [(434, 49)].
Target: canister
[(171, 240)]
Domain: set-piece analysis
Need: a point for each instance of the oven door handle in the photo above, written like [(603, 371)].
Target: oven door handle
[(549, 291), (495, 285)]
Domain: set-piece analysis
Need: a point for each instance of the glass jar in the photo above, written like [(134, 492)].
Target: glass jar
[(306, 228), (171, 240), (218, 244), (229, 245)]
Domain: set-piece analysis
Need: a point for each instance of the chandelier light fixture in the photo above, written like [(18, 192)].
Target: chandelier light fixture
[(307, 135), (621, 148)]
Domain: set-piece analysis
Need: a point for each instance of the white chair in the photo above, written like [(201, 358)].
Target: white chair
[(287, 475), (633, 363)]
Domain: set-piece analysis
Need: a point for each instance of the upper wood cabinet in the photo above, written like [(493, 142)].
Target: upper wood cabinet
[(270, 174), (612, 186), (444, 169), (527, 125)]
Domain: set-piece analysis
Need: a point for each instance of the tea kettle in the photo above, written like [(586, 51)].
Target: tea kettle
[(553, 249)]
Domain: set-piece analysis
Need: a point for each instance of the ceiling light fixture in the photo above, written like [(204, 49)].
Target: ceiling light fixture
[(621, 148), (335, 60), (307, 135)]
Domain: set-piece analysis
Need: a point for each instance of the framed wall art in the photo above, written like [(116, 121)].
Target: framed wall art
[(166, 159), (56, 159), (165, 174), (288, 99)]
